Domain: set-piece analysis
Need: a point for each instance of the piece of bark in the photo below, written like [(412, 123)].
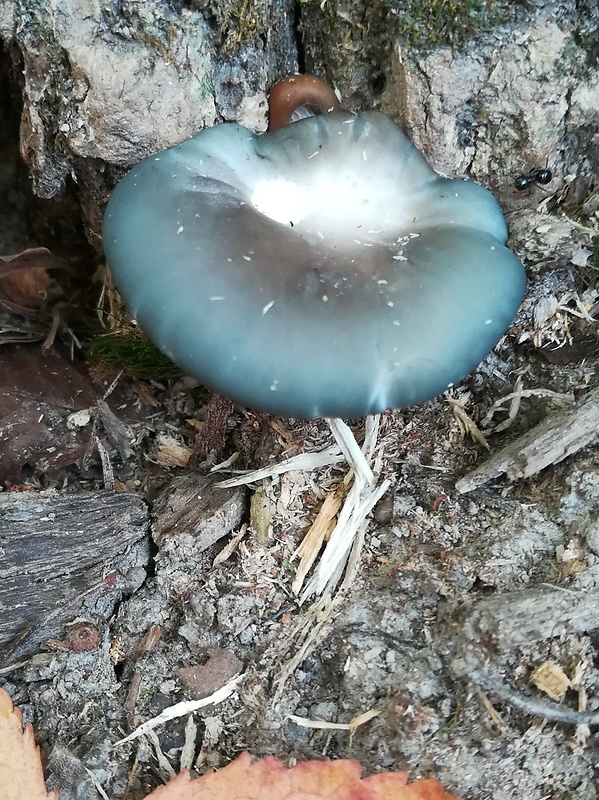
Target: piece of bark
[(558, 436), (491, 631), (192, 512), (70, 776), (15, 329), (119, 435), (60, 554), (454, 100), (211, 436)]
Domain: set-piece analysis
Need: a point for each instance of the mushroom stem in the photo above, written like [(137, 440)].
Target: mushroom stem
[(290, 93)]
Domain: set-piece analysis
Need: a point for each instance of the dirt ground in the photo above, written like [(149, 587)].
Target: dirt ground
[(464, 603)]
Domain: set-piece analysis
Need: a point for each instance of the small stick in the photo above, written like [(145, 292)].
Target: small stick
[(530, 705)]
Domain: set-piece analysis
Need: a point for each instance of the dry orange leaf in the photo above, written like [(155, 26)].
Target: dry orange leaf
[(269, 779), (21, 776)]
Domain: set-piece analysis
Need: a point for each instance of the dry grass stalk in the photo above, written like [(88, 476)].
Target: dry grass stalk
[(514, 399), (185, 707), (351, 522), (467, 425), (352, 725)]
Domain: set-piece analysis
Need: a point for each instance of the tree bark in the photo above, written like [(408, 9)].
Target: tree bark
[(64, 555)]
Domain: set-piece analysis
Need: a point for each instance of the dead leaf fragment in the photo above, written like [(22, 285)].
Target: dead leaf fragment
[(25, 282), (32, 258), (26, 287), (269, 779), (20, 766), (24, 278), (205, 679), (21, 776), (551, 679), (172, 453)]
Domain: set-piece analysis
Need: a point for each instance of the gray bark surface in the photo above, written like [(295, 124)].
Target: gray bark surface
[(57, 550), (105, 85)]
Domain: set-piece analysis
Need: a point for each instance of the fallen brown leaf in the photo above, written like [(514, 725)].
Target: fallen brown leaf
[(269, 779), (33, 257), (204, 679), (21, 776), (26, 287), (24, 278)]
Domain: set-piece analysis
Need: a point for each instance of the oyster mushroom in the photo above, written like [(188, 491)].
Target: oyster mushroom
[(323, 269), (320, 269)]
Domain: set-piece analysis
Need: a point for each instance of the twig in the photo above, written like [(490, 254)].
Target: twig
[(189, 746), (165, 765), (351, 522), (532, 706), (514, 407), (559, 435), (495, 715), (320, 724), (13, 667), (311, 544), (310, 628), (231, 547), (97, 786), (352, 518), (107, 471), (351, 450), (112, 386)]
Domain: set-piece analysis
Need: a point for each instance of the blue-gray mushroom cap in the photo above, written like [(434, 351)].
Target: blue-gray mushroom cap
[(323, 269)]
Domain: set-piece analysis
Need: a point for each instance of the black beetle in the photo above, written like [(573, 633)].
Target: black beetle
[(542, 176)]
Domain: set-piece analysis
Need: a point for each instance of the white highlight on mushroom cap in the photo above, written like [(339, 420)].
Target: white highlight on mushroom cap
[(328, 206), (281, 200)]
